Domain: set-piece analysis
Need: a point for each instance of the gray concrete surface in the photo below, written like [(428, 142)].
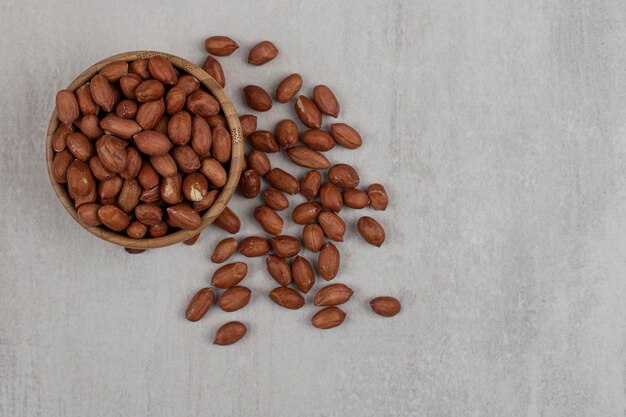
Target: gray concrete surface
[(499, 129)]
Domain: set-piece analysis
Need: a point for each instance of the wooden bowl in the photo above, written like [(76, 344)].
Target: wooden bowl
[(227, 191)]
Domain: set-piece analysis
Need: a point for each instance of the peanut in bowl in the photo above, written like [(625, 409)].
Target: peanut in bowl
[(144, 149)]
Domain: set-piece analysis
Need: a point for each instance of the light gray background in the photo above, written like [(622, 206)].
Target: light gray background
[(498, 128)]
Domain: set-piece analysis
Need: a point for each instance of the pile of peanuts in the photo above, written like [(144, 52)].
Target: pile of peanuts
[(319, 216)]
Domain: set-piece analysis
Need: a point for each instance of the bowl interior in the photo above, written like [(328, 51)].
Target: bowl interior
[(234, 173)]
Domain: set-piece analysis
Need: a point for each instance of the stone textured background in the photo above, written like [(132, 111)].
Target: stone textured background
[(499, 130)]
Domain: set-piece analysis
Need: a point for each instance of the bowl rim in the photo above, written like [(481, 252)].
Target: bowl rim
[(227, 191)]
